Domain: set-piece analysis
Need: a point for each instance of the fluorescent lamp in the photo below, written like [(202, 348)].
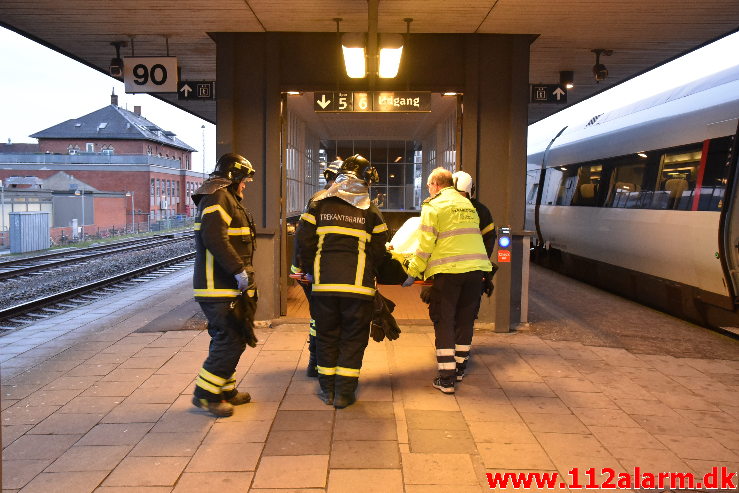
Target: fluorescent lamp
[(391, 49), (352, 44)]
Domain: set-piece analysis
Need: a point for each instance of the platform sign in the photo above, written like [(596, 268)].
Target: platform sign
[(504, 255), (196, 90), (548, 93), (402, 101), (377, 102), (150, 74)]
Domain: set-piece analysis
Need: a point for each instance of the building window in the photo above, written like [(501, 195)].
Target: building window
[(90, 147)]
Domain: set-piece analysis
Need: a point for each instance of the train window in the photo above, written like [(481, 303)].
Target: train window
[(627, 186), (676, 179), (567, 185), (715, 175), (588, 183)]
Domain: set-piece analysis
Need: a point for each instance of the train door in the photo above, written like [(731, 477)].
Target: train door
[(403, 144), (730, 224)]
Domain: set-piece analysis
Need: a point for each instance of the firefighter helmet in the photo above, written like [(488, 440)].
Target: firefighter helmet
[(361, 168), (332, 170), (235, 167)]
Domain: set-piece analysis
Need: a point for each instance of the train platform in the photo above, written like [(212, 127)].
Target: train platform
[(98, 399)]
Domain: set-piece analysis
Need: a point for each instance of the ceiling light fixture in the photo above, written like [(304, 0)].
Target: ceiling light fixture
[(567, 79), (355, 58), (391, 49)]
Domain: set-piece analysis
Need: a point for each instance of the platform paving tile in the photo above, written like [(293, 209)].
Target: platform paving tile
[(39, 447), (64, 482), (297, 471), (168, 445), (438, 469), (294, 442), (89, 458), (370, 454), (365, 480), (217, 456), (115, 434), (19, 472), (147, 471), (194, 482), (66, 424)]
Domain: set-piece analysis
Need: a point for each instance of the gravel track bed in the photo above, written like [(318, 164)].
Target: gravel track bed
[(21, 290)]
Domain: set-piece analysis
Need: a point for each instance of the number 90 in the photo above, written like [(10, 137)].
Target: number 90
[(142, 74)]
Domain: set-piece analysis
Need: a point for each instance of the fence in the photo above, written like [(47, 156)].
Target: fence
[(66, 235)]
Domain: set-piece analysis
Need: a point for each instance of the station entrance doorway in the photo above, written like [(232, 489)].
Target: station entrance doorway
[(404, 146)]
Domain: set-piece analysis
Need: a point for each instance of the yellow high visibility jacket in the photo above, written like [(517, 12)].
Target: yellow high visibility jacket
[(449, 237)]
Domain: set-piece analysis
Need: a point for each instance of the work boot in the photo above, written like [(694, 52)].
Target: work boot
[(220, 409), (311, 371), (446, 385), (344, 400), (239, 398), (345, 391), (327, 396)]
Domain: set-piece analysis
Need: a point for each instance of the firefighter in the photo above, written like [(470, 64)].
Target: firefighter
[(342, 240), (329, 174), (224, 281), (451, 251)]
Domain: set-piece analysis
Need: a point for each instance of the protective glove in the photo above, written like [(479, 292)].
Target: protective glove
[(426, 294), (487, 284), (308, 278), (376, 332), (246, 280), (409, 281)]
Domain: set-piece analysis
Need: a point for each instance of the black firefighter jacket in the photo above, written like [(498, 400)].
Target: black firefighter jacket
[(341, 246), (224, 244)]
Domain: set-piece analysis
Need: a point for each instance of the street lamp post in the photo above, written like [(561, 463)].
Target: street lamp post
[(203, 128), (133, 218), (81, 193)]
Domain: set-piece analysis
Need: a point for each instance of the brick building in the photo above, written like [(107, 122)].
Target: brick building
[(111, 150)]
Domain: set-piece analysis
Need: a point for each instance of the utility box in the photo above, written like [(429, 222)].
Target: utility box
[(29, 231)]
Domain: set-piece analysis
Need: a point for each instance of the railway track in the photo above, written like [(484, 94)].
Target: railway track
[(26, 313), (37, 264)]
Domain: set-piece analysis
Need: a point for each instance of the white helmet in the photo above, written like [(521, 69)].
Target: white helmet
[(463, 183)]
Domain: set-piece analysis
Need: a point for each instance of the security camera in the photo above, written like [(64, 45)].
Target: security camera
[(116, 63), (600, 72), (116, 67)]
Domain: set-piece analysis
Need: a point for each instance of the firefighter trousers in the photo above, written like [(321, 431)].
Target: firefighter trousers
[(342, 333), (216, 379), (455, 301)]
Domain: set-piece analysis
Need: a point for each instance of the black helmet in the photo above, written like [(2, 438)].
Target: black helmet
[(332, 170), (361, 168), (233, 166)]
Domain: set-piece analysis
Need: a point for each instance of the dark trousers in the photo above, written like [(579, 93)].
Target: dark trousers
[(342, 333), (312, 327), (455, 301), (216, 380)]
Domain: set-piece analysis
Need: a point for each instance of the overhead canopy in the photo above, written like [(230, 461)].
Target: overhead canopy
[(642, 33)]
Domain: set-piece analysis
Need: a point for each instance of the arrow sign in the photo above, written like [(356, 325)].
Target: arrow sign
[(323, 102), (196, 90), (548, 93)]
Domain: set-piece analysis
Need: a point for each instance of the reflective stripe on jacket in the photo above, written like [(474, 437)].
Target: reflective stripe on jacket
[(341, 246), (223, 246), (449, 237)]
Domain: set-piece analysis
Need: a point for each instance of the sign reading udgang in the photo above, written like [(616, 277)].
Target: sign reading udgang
[(402, 101), (377, 102)]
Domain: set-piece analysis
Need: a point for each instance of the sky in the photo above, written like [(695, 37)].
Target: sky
[(712, 58), (40, 88)]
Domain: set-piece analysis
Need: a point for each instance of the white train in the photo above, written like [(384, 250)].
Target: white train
[(642, 201)]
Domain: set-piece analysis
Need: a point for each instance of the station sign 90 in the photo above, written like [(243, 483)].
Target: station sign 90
[(150, 74)]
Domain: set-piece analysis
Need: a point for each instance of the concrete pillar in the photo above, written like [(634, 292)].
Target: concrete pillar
[(248, 122), (494, 153)]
